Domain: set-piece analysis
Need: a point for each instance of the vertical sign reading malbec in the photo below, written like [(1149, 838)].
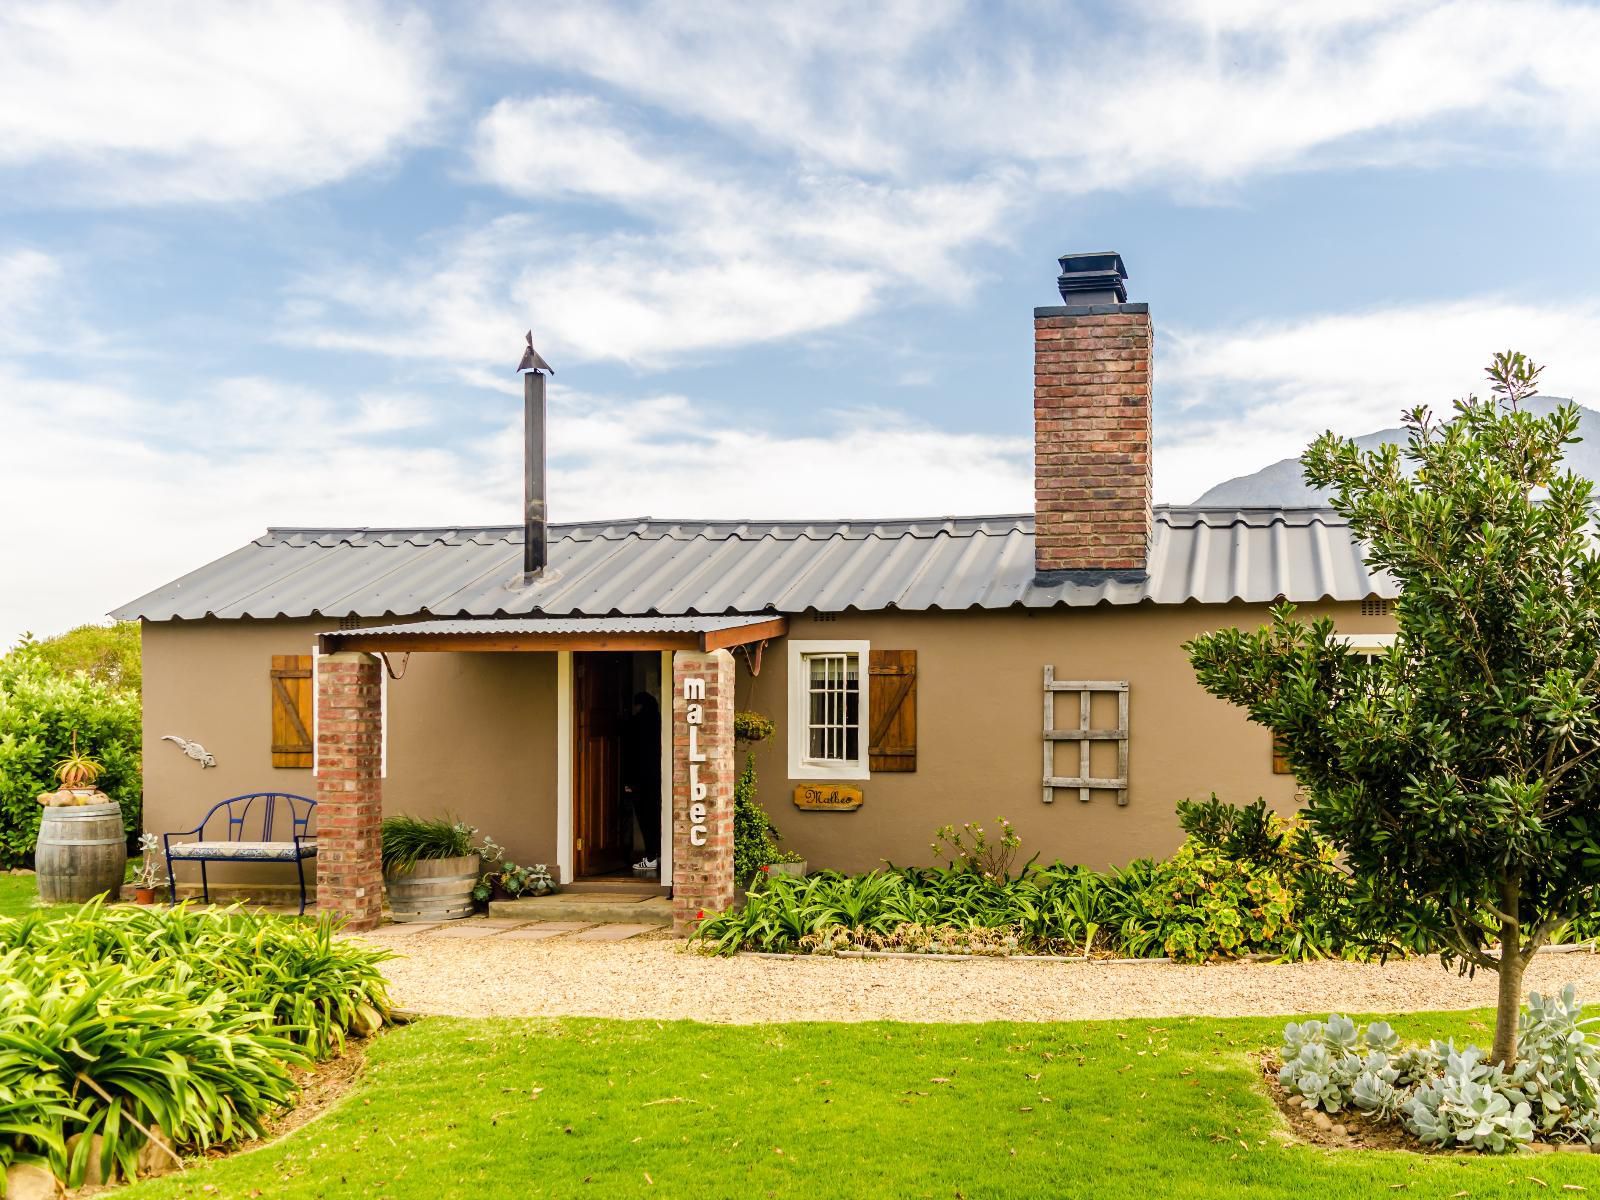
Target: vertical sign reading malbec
[(694, 695)]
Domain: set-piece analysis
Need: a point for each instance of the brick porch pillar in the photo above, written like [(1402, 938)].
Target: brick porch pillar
[(702, 785), (349, 788)]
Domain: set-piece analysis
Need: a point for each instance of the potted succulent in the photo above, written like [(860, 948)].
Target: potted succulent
[(76, 773), (147, 879), (81, 850), (512, 882), (430, 867)]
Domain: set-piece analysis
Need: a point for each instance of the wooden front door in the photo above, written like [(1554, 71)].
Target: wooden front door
[(602, 694)]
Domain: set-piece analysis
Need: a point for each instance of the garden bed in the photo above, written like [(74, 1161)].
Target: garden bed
[(1244, 884), (1347, 1131), (318, 1088), (1355, 1131), (133, 1037)]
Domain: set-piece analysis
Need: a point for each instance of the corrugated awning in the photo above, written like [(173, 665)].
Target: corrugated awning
[(562, 633)]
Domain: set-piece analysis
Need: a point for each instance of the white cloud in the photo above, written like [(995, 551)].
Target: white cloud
[(28, 279), (120, 492), (611, 459), (710, 257), (572, 145), (1195, 91), (139, 103), (1231, 401), (764, 172)]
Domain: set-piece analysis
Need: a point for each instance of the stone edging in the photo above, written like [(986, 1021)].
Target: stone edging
[(1590, 947)]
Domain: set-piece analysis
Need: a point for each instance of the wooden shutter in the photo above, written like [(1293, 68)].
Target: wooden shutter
[(893, 720), (1280, 759), (291, 710)]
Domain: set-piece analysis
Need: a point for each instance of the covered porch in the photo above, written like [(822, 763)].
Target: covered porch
[(610, 671)]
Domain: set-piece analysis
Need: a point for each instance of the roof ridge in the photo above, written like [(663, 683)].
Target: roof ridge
[(837, 522)]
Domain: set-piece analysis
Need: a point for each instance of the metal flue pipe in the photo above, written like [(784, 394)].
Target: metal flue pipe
[(535, 534)]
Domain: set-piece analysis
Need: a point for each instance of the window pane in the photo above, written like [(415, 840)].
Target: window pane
[(833, 707)]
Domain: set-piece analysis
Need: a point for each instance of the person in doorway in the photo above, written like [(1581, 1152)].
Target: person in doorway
[(641, 775)]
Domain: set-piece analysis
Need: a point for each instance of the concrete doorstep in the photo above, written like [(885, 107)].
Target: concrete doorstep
[(592, 908), (512, 929)]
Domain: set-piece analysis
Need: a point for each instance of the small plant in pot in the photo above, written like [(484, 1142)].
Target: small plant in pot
[(430, 867), (76, 773), (512, 882), (147, 879)]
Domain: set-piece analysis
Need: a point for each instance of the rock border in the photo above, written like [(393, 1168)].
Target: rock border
[(1080, 959)]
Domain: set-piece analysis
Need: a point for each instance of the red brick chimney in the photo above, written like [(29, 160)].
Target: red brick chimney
[(1091, 424)]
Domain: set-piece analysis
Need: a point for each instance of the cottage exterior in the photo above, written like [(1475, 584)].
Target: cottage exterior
[(948, 669)]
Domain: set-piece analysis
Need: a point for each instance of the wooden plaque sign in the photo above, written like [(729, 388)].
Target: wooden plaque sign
[(827, 797)]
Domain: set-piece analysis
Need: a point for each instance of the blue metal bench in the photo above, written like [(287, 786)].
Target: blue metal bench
[(234, 847)]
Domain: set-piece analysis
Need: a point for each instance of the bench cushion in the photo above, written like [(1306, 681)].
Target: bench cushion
[(246, 851)]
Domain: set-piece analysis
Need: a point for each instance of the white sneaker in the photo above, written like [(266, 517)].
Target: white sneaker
[(647, 864)]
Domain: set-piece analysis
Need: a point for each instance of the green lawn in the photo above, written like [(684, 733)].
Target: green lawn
[(19, 895), (1133, 1109)]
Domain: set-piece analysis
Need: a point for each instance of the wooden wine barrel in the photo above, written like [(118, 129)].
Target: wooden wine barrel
[(435, 889), (82, 852)]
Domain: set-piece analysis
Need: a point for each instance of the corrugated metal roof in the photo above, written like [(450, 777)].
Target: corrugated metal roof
[(648, 567), (563, 625)]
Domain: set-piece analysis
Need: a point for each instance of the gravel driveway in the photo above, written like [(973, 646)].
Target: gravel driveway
[(653, 977)]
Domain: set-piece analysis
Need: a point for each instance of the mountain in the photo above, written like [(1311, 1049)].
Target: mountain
[(1282, 486)]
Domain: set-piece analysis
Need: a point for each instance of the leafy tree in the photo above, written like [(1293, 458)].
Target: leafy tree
[(40, 709), (108, 653), (1457, 774)]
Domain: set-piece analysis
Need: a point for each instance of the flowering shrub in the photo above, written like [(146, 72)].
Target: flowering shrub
[(969, 848), (1208, 906)]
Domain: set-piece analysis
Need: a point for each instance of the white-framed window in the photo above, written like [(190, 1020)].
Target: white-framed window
[(828, 707)]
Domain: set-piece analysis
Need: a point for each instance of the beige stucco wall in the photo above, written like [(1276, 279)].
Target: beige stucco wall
[(980, 717), (471, 735), (474, 734)]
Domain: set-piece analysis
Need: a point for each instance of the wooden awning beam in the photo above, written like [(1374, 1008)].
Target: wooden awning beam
[(490, 641)]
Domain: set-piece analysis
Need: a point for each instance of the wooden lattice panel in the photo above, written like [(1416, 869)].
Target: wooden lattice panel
[(1084, 735)]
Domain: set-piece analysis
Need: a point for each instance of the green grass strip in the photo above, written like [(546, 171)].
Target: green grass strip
[(1125, 1110)]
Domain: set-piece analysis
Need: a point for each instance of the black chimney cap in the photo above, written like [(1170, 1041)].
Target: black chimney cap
[(532, 360), (1093, 278)]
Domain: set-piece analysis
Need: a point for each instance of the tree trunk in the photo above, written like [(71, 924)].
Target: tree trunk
[(1508, 1005)]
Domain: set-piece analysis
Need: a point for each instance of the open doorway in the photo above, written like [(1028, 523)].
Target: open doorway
[(616, 764)]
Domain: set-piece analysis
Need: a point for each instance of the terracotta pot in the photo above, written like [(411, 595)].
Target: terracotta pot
[(144, 895)]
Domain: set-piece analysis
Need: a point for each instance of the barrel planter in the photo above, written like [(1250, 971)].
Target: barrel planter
[(433, 889), (82, 852)]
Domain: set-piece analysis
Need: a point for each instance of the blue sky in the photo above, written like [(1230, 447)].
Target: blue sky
[(272, 264)]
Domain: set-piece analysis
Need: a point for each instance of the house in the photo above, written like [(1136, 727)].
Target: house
[(919, 672)]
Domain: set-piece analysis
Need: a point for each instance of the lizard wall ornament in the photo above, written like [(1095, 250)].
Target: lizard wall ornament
[(193, 749)]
